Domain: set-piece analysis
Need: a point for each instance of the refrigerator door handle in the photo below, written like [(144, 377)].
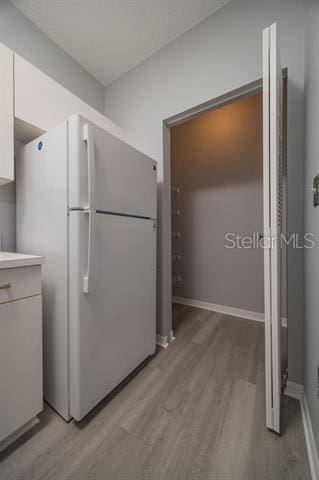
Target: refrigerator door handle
[(89, 139), (88, 279)]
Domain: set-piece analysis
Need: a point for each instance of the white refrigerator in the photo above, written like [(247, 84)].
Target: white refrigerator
[(86, 200)]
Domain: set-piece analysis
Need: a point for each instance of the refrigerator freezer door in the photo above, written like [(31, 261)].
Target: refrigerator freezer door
[(124, 179), (42, 229), (113, 328)]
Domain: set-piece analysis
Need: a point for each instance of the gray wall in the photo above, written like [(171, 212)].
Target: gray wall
[(22, 36), (312, 218), (8, 214), (8, 217), (216, 161), (220, 54)]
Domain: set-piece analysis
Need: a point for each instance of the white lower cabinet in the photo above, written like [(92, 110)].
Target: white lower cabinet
[(20, 362)]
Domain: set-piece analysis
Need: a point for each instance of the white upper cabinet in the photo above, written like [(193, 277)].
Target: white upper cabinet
[(6, 116), (30, 103), (44, 103)]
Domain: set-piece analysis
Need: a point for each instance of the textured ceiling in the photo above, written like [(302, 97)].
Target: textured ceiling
[(109, 37)]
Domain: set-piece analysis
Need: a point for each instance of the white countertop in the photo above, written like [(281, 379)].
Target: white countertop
[(12, 260)]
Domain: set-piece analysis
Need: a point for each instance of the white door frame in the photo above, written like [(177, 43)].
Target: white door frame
[(166, 290), (241, 92)]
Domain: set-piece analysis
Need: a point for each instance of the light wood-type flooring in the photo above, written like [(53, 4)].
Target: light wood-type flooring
[(196, 410)]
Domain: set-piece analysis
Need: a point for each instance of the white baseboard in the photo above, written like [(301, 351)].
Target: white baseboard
[(310, 439), (166, 340), (297, 391), (171, 336), (161, 341), (294, 390), (235, 312)]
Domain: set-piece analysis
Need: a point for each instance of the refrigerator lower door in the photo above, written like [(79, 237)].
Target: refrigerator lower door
[(113, 327)]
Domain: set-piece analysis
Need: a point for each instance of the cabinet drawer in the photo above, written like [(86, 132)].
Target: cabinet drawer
[(21, 282), (20, 363)]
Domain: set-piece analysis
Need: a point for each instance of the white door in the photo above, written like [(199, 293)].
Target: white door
[(112, 328), (272, 125)]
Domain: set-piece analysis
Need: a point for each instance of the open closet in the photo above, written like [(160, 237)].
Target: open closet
[(217, 202), (218, 229)]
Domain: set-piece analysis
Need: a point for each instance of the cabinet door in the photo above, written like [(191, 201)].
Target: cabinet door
[(6, 116), (44, 103), (20, 363)]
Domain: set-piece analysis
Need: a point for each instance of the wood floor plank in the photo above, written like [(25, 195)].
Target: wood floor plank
[(230, 458), (207, 328), (196, 410)]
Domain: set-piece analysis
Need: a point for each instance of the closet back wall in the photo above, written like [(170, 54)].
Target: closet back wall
[(217, 164)]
